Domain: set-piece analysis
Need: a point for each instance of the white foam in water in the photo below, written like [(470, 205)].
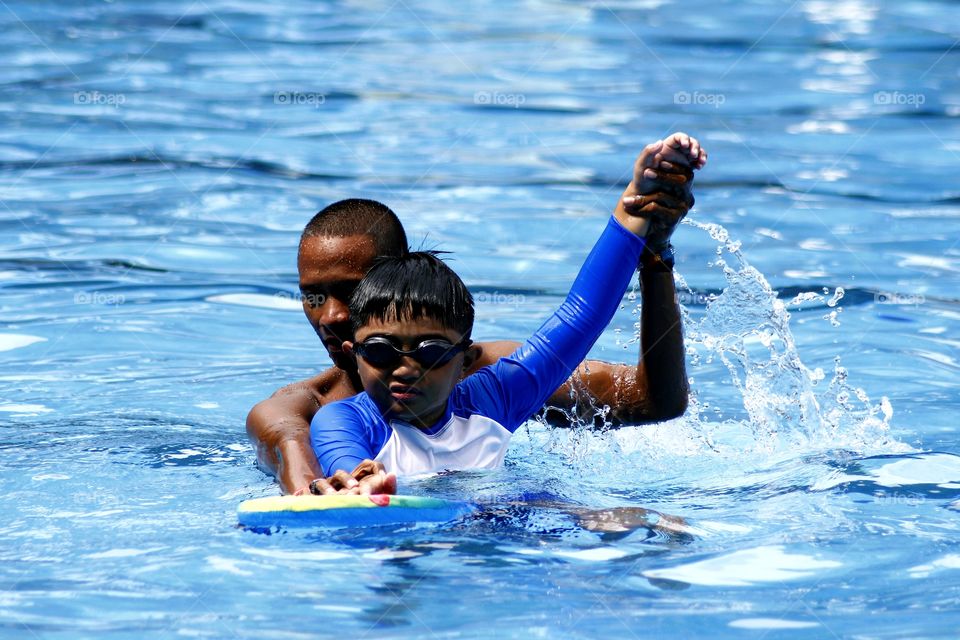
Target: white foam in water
[(25, 409), (11, 341), (299, 555), (121, 553), (281, 302), (745, 568), (949, 561), (227, 565), (597, 554), (771, 623), (940, 469)]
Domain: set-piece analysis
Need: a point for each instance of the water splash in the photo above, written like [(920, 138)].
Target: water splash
[(750, 391), (746, 328)]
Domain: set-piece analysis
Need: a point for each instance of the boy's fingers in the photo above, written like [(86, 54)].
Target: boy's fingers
[(390, 484), (680, 157), (381, 482), (343, 480), (687, 146), (678, 140), (648, 157), (365, 468)]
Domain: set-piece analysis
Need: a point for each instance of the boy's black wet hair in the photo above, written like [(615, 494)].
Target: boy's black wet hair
[(412, 286), (360, 217)]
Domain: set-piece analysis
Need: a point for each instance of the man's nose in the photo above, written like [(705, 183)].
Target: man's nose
[(334, 312)]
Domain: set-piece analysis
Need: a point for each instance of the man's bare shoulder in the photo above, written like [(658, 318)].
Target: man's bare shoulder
[(327, 386), (490, 352)]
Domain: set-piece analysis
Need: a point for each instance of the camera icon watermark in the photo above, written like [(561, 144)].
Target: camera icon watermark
[(498, 99), (899, 99), (699, 98), (99, 298), (99, 99), (908, 299), (498, 298), (299, 98)]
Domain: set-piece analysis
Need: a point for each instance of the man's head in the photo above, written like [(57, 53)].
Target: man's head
[(412, 317), (337, 247)]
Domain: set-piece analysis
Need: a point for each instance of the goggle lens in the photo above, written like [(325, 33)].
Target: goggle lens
[(383, 354)]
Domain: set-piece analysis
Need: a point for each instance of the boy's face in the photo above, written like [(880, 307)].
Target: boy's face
[(411, 391), (330, 269)]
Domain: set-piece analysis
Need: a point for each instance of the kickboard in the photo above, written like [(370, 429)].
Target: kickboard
[(347, 511)]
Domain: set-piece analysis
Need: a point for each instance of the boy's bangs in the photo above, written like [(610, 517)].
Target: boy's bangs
[(418, 285)]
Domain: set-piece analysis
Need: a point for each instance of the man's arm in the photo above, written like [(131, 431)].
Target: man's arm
[(656, 389), (279, 428), (652, 391)]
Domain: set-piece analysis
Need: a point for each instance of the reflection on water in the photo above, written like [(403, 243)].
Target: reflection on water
[(157, 162)]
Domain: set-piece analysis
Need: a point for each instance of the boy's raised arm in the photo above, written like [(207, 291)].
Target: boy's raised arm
[(656, 388)]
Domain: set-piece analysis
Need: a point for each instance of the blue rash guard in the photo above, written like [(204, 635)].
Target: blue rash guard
[(485, 409)]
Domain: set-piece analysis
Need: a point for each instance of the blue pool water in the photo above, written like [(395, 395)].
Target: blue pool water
[(158, 160)]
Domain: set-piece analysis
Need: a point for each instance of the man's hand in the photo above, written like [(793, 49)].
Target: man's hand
[(369, 477)]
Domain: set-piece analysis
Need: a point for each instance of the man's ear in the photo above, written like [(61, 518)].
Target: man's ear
[(347, 347), (470, 356)]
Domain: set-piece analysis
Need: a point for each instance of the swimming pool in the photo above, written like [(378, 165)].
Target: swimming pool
[(158, 160)]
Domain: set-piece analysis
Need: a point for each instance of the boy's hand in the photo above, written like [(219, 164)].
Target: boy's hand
[(373, 478), (676, 154), (369, 477)]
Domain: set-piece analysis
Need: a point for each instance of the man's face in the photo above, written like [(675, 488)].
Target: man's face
[(330, 269), (411, 391)]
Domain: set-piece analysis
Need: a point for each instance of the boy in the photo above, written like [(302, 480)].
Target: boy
[(412, 318)]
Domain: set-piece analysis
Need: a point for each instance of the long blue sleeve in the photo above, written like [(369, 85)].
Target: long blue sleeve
[(514, 388), (345, 433)]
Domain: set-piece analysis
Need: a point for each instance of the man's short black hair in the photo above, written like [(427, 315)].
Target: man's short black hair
[(412, 286), (360, 217)]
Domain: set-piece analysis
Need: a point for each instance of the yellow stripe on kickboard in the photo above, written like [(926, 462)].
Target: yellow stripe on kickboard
[(322, 503)]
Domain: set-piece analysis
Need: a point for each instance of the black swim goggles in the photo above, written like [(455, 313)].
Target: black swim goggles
[(383, 354)]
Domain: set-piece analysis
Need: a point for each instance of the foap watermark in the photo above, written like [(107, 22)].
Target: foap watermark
[(899, 498), (299, 98), (309, 298), (497, 297), (100, 99), (909, 299), (700, 98), (312, 299), (899, 99), (99, 298), (693, 298), (498, 99)]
